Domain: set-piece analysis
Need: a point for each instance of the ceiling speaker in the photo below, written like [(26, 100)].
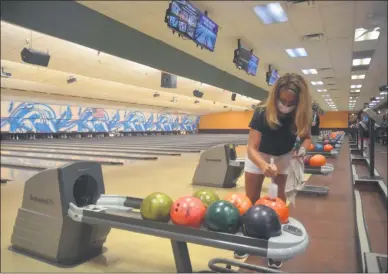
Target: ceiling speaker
[(197, 93), (234, 96), (168, 80), (34, 57)]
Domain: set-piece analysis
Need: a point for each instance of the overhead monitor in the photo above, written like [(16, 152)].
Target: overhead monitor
[(190, 22), (272, 76), (374, 116)]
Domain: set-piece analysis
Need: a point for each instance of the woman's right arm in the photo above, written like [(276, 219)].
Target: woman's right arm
[(254, 140)]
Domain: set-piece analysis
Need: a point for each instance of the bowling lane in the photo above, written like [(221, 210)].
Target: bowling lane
[(62, 158), (79, 153), (102, 148), (147, 150), (17, 175), (31, 164), (195, 141)]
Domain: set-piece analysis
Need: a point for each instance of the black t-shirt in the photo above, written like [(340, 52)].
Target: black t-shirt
[(315, 129), (278, 141)]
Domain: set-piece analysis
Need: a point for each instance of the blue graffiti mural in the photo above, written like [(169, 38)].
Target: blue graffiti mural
[(25, 117)]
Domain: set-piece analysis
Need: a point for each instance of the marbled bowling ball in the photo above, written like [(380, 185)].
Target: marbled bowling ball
[(222, 216), (207, 196), (156, 207)]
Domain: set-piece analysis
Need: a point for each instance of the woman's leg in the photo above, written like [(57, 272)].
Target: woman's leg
[(280, 180), (253, 185)]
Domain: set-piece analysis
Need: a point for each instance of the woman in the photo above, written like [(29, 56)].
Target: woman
[(315, 126), (286, 115)]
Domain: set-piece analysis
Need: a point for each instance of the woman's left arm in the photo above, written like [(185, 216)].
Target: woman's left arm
[(302, 145)]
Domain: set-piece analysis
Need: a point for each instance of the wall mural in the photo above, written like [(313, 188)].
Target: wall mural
[(19, 117)]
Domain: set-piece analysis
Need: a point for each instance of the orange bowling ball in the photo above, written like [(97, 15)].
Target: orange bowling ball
[(188, 211), (328, 148), (278, 205), (333, 135), (311, 147), (242, 202), (318, 160)]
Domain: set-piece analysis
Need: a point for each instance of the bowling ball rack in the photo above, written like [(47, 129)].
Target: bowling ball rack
[(109, 212), (370, 262), (75, 217), (332, 154)]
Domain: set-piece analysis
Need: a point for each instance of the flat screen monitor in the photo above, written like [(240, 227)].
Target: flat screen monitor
[(253, 65), (273, 77), (184, 18)]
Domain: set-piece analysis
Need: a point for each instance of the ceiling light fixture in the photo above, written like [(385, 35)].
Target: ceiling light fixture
[(355, 91), (321, 90), (355, 86), (384, 93), (358, 77), (362, 34), (361, 62), (271, 13), (298, 52), (309, 71), (318, 83)]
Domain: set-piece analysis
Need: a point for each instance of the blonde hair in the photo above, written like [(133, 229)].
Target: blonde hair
[(303, 111)]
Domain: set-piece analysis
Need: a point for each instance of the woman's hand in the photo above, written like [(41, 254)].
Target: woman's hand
[(269, 170), (300, 153)]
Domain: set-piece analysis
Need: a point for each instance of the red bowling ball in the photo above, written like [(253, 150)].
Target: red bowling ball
[(188, 211)]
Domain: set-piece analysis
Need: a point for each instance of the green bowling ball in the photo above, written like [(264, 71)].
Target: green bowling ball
[(156, 207), (222, 216), (207, 196)]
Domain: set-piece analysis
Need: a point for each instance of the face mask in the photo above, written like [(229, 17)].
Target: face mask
[(284, 109)]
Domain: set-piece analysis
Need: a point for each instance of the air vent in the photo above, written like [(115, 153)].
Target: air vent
[(295, 2), (330, 84), (363, 54), (326, 78), (323, 69), (333, 89), (313, 37), (360, 68)]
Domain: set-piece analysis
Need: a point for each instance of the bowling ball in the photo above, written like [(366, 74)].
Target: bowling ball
[(326, 141), (242, 202), (278, 205), (320, 138), (261, 221), (188, 211), (207, 196), (318, 160), (156, 207), (328, 148), (222, 216), (333, 135), (318, 147), (311, 147), (306, 159)]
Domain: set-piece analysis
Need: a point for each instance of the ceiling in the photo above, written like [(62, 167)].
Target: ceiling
[(106, 77), (337, 20), (103, 77)]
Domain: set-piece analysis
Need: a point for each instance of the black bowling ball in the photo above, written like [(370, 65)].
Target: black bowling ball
[(261, 221)]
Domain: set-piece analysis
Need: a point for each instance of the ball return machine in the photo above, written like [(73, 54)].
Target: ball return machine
[(219, 167), (370, 262), (65, 218)]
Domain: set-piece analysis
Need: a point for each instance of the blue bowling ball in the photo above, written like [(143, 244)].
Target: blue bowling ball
[(318, 147)]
